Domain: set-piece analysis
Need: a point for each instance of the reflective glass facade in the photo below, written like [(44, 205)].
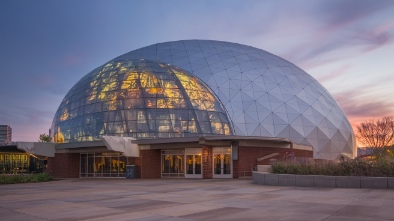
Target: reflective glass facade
[(103, 165), (141, 99), (172, 163), (263, 94), (15, 161)]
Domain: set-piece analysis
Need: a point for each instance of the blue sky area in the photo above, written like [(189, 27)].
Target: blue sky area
[(47, 46)]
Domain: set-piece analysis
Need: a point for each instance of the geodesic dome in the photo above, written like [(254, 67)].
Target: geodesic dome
[(264, 95), (139, 98)]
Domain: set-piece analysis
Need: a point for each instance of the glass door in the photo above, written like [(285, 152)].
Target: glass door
[(172, 164), (193, 163), (222, 166)]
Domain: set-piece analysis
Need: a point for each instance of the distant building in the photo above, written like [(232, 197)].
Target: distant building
[(5, 134)]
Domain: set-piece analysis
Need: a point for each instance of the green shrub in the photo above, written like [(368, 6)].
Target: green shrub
[(31, 178), (356, 167)]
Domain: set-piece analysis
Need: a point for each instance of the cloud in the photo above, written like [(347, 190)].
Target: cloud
[(359, 109), (377, 37), (23, 115), (71, 60), (335, 74), (26, 123), (338, 13), (352, 26)]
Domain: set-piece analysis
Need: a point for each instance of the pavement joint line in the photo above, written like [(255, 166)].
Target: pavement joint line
[(24, 213), (349, 204), (209, 195)]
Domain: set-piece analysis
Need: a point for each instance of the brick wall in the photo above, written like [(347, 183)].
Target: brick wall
[(247, 158), (236, 169), (207, 162), (135, 161), (64, 165), (150, 161)]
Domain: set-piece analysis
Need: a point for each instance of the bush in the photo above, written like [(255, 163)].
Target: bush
[(356, 167), (31, 178)]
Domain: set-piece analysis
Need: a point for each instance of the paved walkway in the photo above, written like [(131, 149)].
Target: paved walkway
[(180, 199)]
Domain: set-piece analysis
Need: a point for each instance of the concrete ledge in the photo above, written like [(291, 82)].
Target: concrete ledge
[(304, 180), (271, 179), (348, 181), (374, 182), (390, 182), (264, 168), (258, 179), (286, 180), (323, 181)]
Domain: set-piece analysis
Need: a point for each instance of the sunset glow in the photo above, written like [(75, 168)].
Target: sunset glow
[(46, 47)]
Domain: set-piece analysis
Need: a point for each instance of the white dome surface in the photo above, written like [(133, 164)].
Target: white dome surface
[(264, 95)]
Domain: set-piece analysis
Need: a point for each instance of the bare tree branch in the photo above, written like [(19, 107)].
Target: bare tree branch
[(376, 134)]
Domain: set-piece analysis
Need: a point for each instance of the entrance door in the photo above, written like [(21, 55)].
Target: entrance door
[(193, 163), (172, 164), (222, 166)]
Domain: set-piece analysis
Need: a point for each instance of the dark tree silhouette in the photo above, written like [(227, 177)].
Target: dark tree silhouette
[(376, 134)]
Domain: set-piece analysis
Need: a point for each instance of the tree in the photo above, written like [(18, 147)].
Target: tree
[(377, 134), (44, 138)]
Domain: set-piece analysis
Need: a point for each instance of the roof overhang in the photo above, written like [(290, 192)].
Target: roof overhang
[(182, 142), (131, 147)]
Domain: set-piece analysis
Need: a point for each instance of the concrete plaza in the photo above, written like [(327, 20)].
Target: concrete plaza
[(185, 199)]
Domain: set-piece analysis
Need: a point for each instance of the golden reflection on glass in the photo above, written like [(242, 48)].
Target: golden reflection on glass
[(148, 80), (161, 103), (133, 86), (217, 127), (64, 116), (226, 129), (59, 136)]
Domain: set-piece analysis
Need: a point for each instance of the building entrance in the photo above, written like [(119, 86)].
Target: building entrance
[(193, 163), (103, 165), (222, 166), (172, 163)]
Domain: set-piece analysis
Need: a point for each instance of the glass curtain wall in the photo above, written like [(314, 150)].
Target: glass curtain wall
[(14, 163), (103, 165), (172, 163), (139, 98)]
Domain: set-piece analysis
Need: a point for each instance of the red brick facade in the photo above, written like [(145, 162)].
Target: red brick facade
[(247, 158), (135, 161), (235, 169), (207, 166), (64, 165), (150, 164), (67, 165)]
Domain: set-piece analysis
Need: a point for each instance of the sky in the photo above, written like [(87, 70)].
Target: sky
[(47, 46)]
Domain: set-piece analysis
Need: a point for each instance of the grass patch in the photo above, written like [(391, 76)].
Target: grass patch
[(358, 167), (30, 178)]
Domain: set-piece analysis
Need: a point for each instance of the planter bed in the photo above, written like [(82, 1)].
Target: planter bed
[(273, 179)]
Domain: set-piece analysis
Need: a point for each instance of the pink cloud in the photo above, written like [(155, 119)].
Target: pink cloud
[(335, 74), (71, 60), (358, 111)]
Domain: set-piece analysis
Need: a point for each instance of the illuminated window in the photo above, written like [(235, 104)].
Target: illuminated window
[(139, 98)]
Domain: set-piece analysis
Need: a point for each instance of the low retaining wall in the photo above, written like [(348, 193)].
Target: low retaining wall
[(273, 179)]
